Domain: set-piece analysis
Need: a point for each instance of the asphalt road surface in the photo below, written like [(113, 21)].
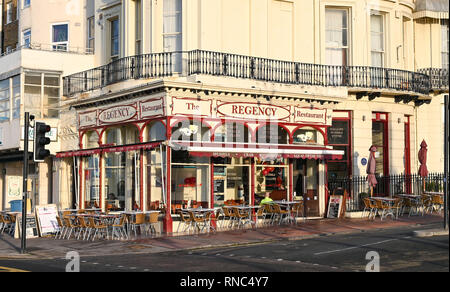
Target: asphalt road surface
[(383, 250)]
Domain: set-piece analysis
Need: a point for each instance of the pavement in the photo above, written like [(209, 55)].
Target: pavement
[(50, 248)]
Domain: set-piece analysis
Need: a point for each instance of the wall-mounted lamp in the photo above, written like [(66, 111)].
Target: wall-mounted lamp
[(364, 118)]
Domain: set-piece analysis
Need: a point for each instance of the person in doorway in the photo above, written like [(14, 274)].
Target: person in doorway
[(267, 199)]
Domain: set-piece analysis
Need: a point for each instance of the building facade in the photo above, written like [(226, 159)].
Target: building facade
[(203, 102), (36, 53)]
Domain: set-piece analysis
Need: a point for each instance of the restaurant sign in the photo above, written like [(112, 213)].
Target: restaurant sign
[(122, 113), (253, 111), (313, 116), (117, 114)]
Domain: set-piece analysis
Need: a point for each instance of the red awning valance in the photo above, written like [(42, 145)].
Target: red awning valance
[(125, 148)]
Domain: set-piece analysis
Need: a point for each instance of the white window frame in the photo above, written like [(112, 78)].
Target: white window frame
[(9, 12), (347, 10), (90, 34), (444, 50), (110, 38), (383, 34), (26, 4), (58, 44), (24, 38)]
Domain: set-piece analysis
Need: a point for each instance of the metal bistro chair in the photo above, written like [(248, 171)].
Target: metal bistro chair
[(197, 221), (7, 223), (119, 228), (282, 214), (151, 220), (296, 209), (186, 220), (437, 203), (241, 217), (370, 207), (139, 220), (229, 214), (100, 228), (61, 228)]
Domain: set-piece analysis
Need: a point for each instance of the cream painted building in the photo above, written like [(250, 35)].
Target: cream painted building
[(204, 102), (31, 72)]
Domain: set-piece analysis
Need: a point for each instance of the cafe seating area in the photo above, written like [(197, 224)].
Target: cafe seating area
[(402, 204), (233, 216), (92, 224), (7, 223)]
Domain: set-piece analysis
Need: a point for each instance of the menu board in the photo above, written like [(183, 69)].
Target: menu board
[(338, 133), (31, 227), (335, 206), (47, 222), (219, 186)]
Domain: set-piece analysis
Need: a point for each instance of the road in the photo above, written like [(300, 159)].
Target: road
[(398, 251)]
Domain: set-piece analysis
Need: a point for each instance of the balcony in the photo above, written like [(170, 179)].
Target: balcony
[(438, 78), (199, 62)]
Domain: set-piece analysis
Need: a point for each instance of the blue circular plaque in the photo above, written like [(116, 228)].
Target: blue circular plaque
[(364, 161)]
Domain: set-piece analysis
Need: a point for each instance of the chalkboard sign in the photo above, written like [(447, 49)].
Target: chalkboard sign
[(335, 206), (338, 133), (219, 186), (31, 226)]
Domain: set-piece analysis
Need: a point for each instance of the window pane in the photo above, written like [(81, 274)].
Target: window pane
[(60, 33), (51, 80), (33, 79)]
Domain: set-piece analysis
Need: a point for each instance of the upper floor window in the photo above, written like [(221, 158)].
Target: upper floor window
[(27, 38), (445, 43), (26, 3), (4, 100), (9, 12), (172, 30), (138, 29), (115, 47), (336, 36), (377, 40), (60, 37), (42, 94), (90, 34)]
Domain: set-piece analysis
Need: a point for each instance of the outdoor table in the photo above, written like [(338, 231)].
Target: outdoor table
[(434, 194), (287, 204)]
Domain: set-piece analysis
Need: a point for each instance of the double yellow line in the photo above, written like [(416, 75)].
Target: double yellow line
[(11, 270)]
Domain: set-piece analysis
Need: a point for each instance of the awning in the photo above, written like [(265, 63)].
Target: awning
[(263, 151), (125, 148)]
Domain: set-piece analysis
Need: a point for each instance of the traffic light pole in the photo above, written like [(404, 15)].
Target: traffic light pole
[(25, 183)]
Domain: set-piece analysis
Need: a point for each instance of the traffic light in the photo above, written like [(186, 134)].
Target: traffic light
[(40, 141)]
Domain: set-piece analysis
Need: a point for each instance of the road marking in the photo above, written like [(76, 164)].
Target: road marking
[(354, 247), (12, 270)]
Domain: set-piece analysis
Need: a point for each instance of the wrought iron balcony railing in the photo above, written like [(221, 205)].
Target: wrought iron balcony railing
[(438, 78), (231, 65)]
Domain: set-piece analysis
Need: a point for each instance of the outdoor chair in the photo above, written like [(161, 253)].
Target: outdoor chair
[(185, 219), (427, 204), (119, 229), (397, 207), (61, 228), (139, 221), (371, 207), (296, 209), (70, 227), (228, 214), (100, 228), (241, 217), (7, 223), (270, 212), (261, 214), (197, 221), (209, 218), (282, 214), (437, 203), (83, 226), (151, 220)]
